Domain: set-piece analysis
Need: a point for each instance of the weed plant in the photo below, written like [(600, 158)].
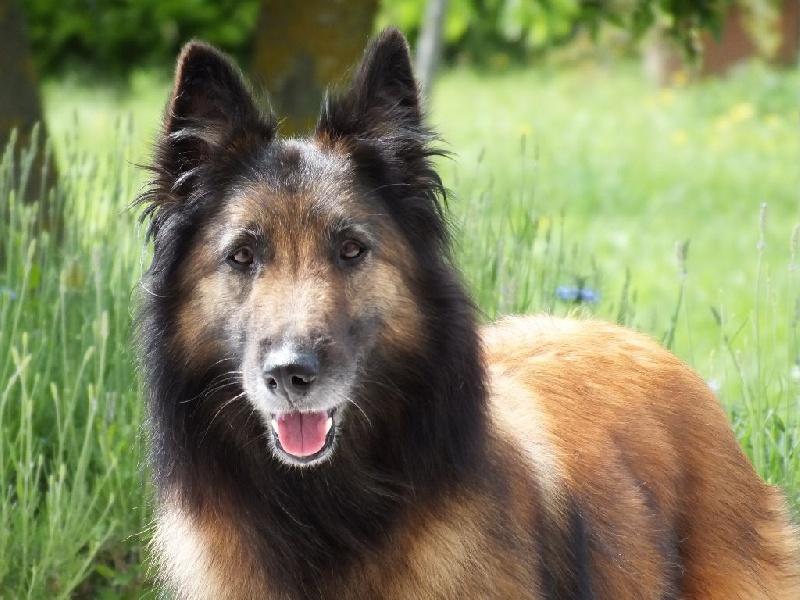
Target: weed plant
[(73, 498)]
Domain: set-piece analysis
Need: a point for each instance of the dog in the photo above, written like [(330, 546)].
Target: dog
[(328, 419)]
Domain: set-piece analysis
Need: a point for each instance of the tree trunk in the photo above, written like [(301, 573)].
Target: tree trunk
[(303, 48), (429, 47), (28, 167)]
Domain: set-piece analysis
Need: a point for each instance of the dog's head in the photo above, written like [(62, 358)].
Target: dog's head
[(290, 266)]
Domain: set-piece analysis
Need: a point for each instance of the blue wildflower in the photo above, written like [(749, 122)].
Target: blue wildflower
[(577, 294), (4, 291)]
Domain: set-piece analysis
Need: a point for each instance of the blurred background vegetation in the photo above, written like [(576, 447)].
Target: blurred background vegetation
[(111, 38), (636, 160), (297, 54)]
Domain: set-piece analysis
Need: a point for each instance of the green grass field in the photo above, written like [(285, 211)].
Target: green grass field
[(585, 178)]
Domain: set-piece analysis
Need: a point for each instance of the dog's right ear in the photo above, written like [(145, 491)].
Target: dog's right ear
[(211, 110), (382, 102)]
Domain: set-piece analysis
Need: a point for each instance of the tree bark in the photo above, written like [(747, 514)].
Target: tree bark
[(302, 49), (29, 168)]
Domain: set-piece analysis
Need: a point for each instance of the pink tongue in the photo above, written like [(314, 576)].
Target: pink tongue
[(302, 434)]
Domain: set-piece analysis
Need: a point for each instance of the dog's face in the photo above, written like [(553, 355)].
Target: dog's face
[(300, 267), (298, 274)]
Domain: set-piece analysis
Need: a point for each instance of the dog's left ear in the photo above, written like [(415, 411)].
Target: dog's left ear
[(382, 101)]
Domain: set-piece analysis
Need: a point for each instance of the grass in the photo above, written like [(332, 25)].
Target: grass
[(73, 485), (585, 180)]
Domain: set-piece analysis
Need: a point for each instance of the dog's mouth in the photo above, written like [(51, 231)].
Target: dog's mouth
[(304, 437)]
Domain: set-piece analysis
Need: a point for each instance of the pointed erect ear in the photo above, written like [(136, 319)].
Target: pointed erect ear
[(382, 101), (211, 109)]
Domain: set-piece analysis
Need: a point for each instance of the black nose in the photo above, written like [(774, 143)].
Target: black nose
[(290, 373)]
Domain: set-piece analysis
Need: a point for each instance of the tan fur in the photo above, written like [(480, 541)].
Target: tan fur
[(445, 553), (619, 410), (580, 408), (297, 286), (204, 559)]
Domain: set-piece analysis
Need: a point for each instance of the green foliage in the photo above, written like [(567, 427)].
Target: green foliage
[(479, 29), (73, 497), (113, 37)]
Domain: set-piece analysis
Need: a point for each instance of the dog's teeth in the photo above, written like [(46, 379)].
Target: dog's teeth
[(274, 424), (328, 425)]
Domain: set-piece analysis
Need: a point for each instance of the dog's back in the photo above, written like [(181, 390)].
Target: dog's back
[(636, 459)]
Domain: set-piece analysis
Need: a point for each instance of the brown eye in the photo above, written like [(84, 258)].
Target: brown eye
[(242, 258), (350, 250)]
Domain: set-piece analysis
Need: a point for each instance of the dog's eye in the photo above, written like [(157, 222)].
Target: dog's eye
[(242, 258), (350, 250)]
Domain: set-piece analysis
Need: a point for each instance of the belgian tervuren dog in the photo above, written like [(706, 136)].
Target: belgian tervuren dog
[(329, 422)]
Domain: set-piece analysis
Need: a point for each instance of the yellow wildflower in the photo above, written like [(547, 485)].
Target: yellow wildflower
[(741, 112), (679, 137), (525, 130), (679, 78)]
